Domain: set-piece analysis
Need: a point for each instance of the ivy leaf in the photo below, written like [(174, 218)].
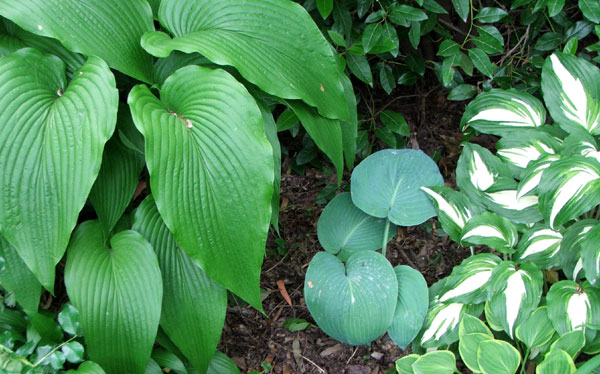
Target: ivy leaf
[(359, 66), (590, 10), (462, 8), (490, 15), (325, 7), (481, 61), (371, 36)]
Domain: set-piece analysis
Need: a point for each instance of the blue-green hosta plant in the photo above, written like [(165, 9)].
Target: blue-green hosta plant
[(534, 203), (94, 92), (353, 292)]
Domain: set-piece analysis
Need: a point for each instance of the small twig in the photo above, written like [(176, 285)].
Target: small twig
[(514, 48), (448, 24), (302, 356), (353, 353)]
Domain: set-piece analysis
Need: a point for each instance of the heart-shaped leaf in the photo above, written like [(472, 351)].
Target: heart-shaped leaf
[(468, 347), (16, 277), (571, 342), (110, 29), (404, 364), (439, 362), (537, 330), (498, 357), (297, 64), (557, 362), (52, 135), (572, 306), (388, 184), (120, 316), (354, 303), (194, 306), (211, 172)]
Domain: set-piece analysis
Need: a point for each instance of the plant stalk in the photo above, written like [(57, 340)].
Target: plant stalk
[(386, 232)]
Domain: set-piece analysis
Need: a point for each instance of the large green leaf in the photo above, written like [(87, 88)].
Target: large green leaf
[(211, 172), (16, 277), (194, 305), (387, 185), (51, 142), (498, 357), (110, 29), (117, 289), (354, 303), (557, 362), (221, 364), (537, 330), (274, 44)]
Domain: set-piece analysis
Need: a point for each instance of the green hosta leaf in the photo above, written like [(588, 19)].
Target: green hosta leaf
[(128, 134), (470, 324), (492, 230), (121, 317), (371, 36), (568, 188), (527, 145), (478, 170), (590, 10), (364, 291), (345, 229), (571, 342), (164, 67), (387, 185), (53, 135), (571, 93), (404, 364), (498, 357), (590, 255), (468, 346), (298, 64), (221, 364), (539, 245), (537, 330), (16, 277), (489, 40), (514, 293), (490, 15), (517, 209), (572, 306), (462, 8), (532, 175), (502, 112), (558, 361), (439, 362), (468, 282), (571, 246), (481, 61), (91, 28), (411, 308), (211, 168), (194, 306)]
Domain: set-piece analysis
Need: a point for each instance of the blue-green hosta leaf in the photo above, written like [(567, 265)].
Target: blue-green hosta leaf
[(194, 306), (468, 346), (532, 175), (441, 324), (571, 93), (557, 362), (537, 330), (411, 308), (110, 29), (387, 185), (16, 277), (571, 342), (498, 357), (590, 255), (454, 209), (502, 112), (273, 44), (569, 188), (478, 170), (52, 134), (117, 288), (354, 303), (211, 169), (492, 230), (468, 282), (514, 293), (540, 245), (439, 362), (573, 306), (221, 364), (344, 229), (570, 248), (527, 145)]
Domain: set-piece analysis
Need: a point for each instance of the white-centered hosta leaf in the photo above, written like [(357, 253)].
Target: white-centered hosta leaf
[(506, 202), (498, 357), (521, 148), (532, 175), (51, 139), (557, 362), (572, 306), (537, 330), (571, 246), (441, 323), (540, 245), (16, 277), (194, 306), (468, 281), (274, 44), (590, 255), (353, 303), (492, 230), (478, 170), (344, 229), (569, 188), (109, 29), (514, 293), (211, 172), (502, 112), (116, 286)]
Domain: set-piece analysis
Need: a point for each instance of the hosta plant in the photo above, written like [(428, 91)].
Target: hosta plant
[(533, 203), (92, 97), (353, 292)]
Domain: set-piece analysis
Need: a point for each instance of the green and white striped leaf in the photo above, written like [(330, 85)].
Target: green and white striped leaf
[(117, 288), (110, 29), (537, 330), (211, 170), (570, 248), (540, 245), (557, 362), (52, 134), (498, 357), (532, 175), (354, 303), (581, 143), (492, 230), (506, 203), (272, 44), (442, 322), (194, 306), (501, 112), (571, 342), (527, 145), (468, 281), (514, 293), (439, 362), (454, 209), (571, 92), (478, 170), (16, 277), (590, 255), (468, 347), (387, 184), (573, 306), (569, 188)]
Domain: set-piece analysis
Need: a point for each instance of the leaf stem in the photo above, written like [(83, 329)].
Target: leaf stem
[(385, 235), (524, 362), (470, 25), (53, 350)]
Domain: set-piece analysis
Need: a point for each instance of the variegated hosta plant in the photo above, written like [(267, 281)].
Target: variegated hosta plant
[(91, 93), (534, 203)]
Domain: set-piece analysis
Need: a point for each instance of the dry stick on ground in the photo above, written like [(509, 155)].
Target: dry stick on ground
[(353, 353), (302, 356)]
